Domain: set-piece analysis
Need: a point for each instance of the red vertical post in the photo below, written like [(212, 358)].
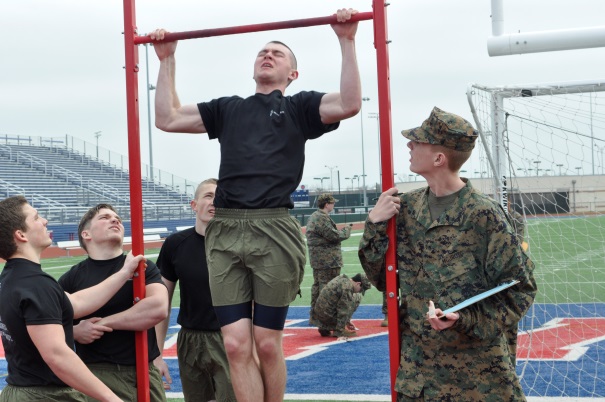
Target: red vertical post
[(381, 42), (136, 192)]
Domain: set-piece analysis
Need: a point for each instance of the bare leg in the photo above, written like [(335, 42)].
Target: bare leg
[(245, 373), (272, 362)]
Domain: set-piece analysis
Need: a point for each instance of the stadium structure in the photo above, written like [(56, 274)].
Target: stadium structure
[(63, 177)]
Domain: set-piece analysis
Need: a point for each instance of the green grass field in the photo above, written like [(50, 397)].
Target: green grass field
[(569, 254)]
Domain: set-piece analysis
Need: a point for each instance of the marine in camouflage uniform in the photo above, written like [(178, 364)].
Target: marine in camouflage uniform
[(466, 249), (338, 301), (323, 241)]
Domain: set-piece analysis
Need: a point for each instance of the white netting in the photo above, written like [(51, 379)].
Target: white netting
[(541, 151)]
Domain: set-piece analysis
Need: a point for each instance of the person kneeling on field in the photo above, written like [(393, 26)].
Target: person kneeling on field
[(336, 304)]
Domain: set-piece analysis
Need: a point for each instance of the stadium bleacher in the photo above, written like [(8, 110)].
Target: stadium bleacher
[(60, 173), (62, 183)]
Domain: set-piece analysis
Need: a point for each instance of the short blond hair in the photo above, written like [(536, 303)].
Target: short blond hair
[(198, 190), (455, 159)]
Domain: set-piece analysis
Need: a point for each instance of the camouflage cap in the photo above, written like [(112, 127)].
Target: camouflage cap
[(445, 129), (327, 198), (365, 282)]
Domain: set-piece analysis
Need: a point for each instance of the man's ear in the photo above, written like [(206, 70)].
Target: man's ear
[(85, 234), (440, 159), (293, 75), (20, 236)]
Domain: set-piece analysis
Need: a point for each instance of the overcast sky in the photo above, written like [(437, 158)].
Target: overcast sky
[(61, 69)]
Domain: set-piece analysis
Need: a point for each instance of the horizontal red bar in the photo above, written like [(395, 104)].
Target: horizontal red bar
[(270, 26)]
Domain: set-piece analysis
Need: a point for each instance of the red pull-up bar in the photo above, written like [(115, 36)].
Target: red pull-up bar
[(269, 26), (131, 40)]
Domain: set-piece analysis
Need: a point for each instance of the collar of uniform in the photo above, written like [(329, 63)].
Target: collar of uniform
[(424, 214)]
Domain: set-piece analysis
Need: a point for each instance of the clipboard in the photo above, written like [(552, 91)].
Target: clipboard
[(480, 296)]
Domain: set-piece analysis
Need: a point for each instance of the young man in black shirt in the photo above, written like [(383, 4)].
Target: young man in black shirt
[(36, 314), (258, 258), (105, 339)]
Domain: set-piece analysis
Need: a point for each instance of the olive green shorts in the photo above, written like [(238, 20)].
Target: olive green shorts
[(11, 393), (122, 380), (203, 366), (254, 254)]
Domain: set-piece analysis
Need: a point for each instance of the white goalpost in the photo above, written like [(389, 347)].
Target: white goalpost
[(541, 152)]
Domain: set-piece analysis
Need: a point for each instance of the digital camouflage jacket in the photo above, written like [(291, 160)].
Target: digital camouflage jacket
[(469, 249), (323, 241)]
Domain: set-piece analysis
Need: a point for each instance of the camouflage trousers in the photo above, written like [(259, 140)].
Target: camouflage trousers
[(321, 277)]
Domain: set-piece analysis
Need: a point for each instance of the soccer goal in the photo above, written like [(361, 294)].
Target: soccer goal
[(541, 155)]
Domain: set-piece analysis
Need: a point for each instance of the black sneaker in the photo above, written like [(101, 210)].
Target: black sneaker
[(324, 332)]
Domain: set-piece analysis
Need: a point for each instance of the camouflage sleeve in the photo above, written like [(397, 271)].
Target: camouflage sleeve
[(372, 251), (325, 228), (345, 232), (345, 307), (506, 261)]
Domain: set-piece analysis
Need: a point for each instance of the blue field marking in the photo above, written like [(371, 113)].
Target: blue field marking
[(364, 362), (583, 376)]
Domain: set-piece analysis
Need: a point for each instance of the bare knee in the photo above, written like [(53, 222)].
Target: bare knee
[(269, 348), (237, 338)]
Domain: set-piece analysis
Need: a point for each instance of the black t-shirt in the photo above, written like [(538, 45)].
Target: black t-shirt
[(262, 146), (29, 296), (183, 259), (117, 346)]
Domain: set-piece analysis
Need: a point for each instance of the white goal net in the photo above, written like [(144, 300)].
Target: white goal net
[(541, 154)]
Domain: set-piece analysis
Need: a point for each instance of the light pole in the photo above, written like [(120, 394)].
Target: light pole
[(573, 192), (559, 165), (600, 150), (357, 177), (578, 169), (97, 135), (321, 180), (377, 117), (149, 88), (331, 169), (363, 163), (364, 201), (537, 167), (192, 190), (350, 178)]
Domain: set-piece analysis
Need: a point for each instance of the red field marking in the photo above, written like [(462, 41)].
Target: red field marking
[(300, 342), (564, 339), (304, 341)]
